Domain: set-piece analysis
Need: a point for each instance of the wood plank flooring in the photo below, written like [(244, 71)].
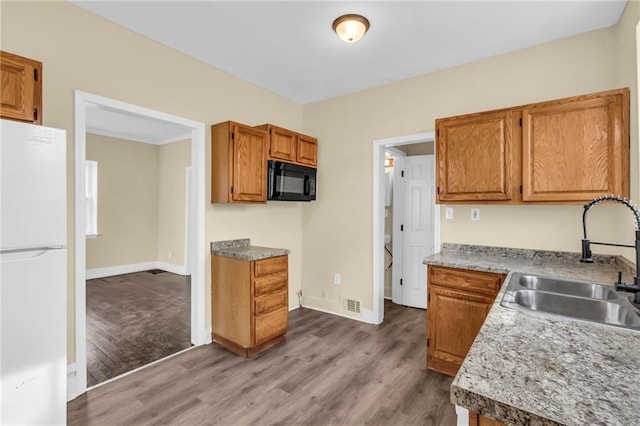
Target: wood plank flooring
[(134, 319), (331, 371)]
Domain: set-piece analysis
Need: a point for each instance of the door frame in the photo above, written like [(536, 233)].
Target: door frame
[(397, 242), (77, 383), (379, 146)]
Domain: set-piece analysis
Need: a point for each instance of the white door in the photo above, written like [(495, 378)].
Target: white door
[(418, 235)]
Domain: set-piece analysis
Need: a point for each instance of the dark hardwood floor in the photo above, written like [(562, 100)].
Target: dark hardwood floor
[(134, 319), (331, 370)]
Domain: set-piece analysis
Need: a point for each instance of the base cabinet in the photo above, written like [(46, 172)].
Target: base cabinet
[(476, 419), (249, 303), (458, 302)]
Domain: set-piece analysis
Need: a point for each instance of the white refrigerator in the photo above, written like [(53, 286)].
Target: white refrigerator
[(33, 270)]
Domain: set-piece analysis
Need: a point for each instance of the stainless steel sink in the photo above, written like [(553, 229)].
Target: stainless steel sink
[(569, 287), (581, 300)]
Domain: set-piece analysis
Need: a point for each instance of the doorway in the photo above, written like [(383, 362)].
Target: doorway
[(194, 249), (409, 209), (407, 255)]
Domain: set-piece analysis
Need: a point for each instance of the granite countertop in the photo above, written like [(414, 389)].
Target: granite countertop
[(526, 368), (243, 250)]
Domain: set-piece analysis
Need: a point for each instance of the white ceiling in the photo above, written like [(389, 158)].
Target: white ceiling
[(105, 121), (288, 47)]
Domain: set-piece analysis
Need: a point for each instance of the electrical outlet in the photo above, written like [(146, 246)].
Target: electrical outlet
[(337, 279), (170, 254), (475, 214), (448, 213), (324, 294)]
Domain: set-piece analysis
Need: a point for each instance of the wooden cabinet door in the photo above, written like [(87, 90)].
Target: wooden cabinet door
[(453, 320), (576, 149), (270, 325), (282, 144), (476, 419), (307, 152), (21, 88), (474, 155), (249, 164)]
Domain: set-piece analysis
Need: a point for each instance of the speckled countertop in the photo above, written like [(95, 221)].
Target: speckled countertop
[(243, 250), (526, 368)]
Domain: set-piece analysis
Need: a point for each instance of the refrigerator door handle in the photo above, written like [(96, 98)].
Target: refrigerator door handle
[(25, 249)]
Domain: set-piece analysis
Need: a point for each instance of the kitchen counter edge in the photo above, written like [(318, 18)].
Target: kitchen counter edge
[(554, 382)]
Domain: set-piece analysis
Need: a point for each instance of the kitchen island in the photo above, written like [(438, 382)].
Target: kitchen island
[(529, 368)]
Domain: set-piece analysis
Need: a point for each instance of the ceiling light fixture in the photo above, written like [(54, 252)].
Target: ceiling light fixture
[(351, 28)]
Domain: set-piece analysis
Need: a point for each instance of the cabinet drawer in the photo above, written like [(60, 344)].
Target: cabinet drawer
[(478, 282), (270, 284), (271, 265), (270, 325), (270, 302)]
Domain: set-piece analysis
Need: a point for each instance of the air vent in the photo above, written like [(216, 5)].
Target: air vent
[(351, 305)]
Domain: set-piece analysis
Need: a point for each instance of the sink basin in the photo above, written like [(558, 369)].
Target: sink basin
[(569, 287), (580, 300), (595, 310)]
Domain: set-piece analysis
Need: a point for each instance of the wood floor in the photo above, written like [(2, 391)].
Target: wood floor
[(134, 319), (332, 370)]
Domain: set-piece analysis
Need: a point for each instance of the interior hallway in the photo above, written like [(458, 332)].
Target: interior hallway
[(134, 319)]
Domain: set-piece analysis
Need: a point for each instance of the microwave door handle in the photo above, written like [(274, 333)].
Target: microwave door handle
[(307, 185), (271, 183)]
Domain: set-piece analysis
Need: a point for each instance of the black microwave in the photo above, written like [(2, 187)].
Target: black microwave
[(291, 182)]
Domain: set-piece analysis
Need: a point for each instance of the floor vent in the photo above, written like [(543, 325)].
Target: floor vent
[(352, 305), (155, 271)]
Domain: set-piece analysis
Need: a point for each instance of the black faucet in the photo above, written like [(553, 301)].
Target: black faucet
[(586, 244)]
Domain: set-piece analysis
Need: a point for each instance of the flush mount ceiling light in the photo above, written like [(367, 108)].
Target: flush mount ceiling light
[(351, 28)]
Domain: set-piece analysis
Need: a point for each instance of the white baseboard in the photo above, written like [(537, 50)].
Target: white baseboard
[(369, 318), (170, 267), (110, 271), (72, 386), (326, 311)]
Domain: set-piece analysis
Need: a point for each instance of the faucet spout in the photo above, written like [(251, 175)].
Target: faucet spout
[(586, 243)]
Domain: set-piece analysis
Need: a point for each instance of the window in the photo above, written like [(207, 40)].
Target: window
[(91, 198)]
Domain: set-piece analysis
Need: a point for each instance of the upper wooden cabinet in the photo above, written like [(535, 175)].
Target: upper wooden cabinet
[(21, 88), (238, 163), (307, 152), (292, 147), (576, 149), (474, 154), (565, 151)]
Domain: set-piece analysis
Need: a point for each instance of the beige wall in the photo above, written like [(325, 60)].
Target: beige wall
[(343, 237), (127, 202), (82, 51), (141, 201), (173, 160), (627, 75), (424, 148)]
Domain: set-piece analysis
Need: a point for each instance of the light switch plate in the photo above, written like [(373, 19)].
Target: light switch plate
[(448, 213), (475, 214)]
